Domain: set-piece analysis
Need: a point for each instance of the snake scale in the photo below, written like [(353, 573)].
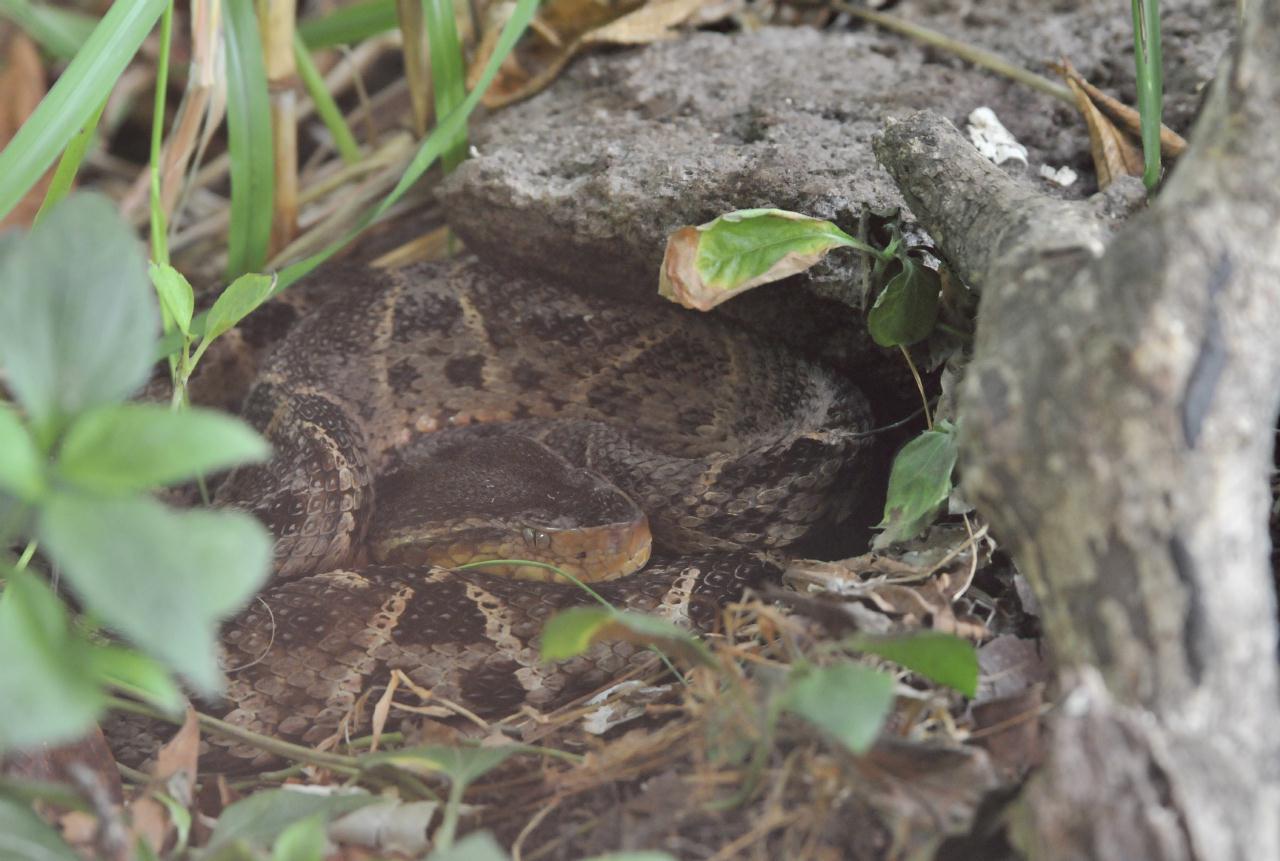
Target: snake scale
[(730, 444)]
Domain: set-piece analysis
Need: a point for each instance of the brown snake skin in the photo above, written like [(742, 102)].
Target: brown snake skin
[(729, 443)]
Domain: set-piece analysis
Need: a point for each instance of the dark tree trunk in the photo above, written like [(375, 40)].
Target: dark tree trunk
[(1117, 427)]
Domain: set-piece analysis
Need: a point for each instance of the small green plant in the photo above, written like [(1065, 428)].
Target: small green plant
[(77, 464), (713, 262), (848, 701), (920, 482)]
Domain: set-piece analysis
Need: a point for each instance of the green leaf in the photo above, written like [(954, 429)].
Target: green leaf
[(848, 701), (136, 674), (944, 658), (706, 265), (304, 840), (571, 632), (46, 693), (326, 108), (79, 91), (743, 245), (462, 765), (77, 330), (448, 70), (249, 142), (61, 32), (21, 464), (175, 294), (919, 483), (437, 142), (479, 846), (24, 836), (259, 819), (349, 24), (907, 309), (164, 579), (240, 298), (64, 175), (134, 447)]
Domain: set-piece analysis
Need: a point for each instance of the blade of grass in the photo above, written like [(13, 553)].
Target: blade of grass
[(61, 32), (328, 110), (159, 225), (414, 50), (448, 70), (78, 93), (69, 164), (349, 24), (249, 142), (1150, 81), (432, 147)]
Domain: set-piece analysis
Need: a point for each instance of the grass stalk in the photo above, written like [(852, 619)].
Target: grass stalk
[(1150, 82)]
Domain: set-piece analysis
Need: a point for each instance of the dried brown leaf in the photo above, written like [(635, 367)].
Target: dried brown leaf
[(1172, 144), (22, 86), (1114, 155)]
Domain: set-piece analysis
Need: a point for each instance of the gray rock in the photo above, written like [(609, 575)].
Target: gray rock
[(583, 183)]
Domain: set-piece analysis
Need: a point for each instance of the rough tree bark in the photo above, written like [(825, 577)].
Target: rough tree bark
[(1117, 427)]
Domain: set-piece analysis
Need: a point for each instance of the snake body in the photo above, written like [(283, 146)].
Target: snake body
[(730, 443)]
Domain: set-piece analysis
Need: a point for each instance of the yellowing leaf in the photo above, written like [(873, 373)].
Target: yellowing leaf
[(709, 264)]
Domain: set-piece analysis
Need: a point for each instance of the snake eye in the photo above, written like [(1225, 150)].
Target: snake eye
[(541, 539)]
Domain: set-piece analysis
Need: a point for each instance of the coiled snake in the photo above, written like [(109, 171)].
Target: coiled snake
[(729, 443)]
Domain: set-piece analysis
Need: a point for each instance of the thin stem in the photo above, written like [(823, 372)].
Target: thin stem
[(565, 574), (159, 227), (915, 374), (296, 752), (977, 56), (27, 553), (1150, 84)]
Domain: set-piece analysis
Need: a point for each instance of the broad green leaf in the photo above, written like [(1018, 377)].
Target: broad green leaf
[(919, 483), (46, 692), (571, 632), (21, 464), (79, 91), (24, 836), (848, 701), (262, 817), (304, 840), (706, 265), (235, 303), (136, 674), (175, 294), (479, 846), (462, 765), (78, 329), (249, 142), (133, 447), (944, 658), (349, 24), (164, 579), (907, 309)]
